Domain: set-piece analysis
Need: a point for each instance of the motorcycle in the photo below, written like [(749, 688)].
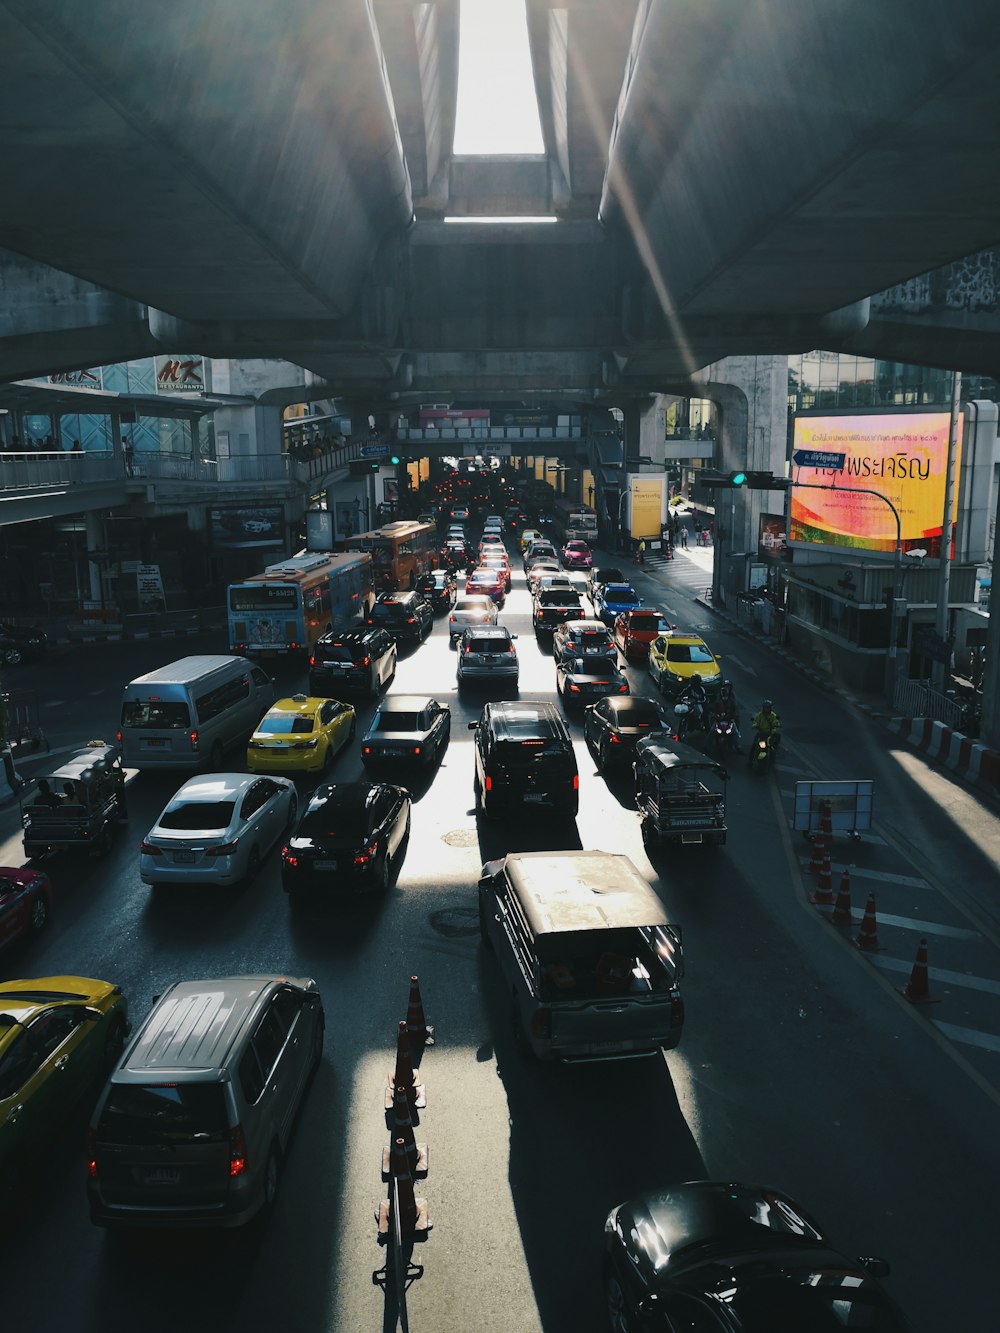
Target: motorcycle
[(761, 753), (690, 717), (724, 734)]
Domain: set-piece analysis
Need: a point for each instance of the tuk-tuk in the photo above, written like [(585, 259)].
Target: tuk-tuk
[(680, 793), (78, 804)]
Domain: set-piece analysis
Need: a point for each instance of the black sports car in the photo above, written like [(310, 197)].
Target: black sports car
[(351, 839), (729, 1258)]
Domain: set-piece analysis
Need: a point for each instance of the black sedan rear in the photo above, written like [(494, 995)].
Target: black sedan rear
[(582, 680), (612, 726), (742, 1259), (350, 840)]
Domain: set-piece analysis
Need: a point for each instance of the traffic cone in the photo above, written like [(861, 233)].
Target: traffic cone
[(820, 847), (416, 1025), (401, 1127), (867, 936), (404, 1074), (823, 897), (917, 989), (841, 914), (414, 1223)]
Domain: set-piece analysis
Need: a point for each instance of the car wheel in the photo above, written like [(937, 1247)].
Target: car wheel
[(114, 1042), (293, 810), (13, 657), (253, 865), (272, 1175), (617, 1307), (39, 914)]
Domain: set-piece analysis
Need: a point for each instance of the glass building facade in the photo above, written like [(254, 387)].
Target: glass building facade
[(836, 379)]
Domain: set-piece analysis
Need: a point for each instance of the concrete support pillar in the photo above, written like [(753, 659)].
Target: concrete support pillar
[(93, 535)]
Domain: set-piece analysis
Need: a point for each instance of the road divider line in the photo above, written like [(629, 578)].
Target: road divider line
[(987, 1041), (930, 927), (984, 984)]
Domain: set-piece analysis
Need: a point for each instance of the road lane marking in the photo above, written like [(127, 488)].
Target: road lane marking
[(987, 1041), (929, 927), (731, 657), (985, 984), (880, 876)]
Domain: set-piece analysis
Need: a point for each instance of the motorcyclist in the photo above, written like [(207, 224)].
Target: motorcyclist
[(696, 697), (767, 726), (725, 707)]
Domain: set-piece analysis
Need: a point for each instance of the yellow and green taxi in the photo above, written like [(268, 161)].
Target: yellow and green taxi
[(675, 658), (58, 1037), (300, 735), (528, 536)]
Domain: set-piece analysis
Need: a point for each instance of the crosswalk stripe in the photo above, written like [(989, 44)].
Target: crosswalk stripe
[(988, 1041), (928, 927), (883, 876), (984, 984)]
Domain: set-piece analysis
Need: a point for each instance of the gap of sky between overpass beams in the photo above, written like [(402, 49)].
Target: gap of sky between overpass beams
[(497, 109)]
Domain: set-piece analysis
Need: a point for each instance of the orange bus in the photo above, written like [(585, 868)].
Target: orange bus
[(400, 552)]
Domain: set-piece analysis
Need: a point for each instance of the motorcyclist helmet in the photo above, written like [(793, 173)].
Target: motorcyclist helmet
[(768, 705)]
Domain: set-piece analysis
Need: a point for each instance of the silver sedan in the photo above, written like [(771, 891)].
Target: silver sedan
[(217, 828)]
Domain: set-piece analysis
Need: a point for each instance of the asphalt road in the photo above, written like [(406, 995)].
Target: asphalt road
[(800, 1067)]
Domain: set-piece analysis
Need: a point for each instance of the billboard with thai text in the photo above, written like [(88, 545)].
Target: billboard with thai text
[(899, 459)]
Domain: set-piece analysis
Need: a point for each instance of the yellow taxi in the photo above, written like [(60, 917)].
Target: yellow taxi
[(59, 1036), (300, 735), (675, 658), (528, 536)]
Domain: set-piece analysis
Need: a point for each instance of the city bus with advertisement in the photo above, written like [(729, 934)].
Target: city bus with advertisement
[(284, 610), (400, 553), (571, 519)]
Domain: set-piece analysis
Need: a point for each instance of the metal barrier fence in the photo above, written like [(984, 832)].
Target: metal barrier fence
[(35, 470), (917, 698)]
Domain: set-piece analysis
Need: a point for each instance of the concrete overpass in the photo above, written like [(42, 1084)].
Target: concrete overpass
[(271, 181)]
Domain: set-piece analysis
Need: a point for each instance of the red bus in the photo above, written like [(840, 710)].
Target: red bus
[(400, 552)]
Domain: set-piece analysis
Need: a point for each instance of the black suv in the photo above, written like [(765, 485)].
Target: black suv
[(18, 644), (439, 588), (358, 662), (524, 759), (404, 615)]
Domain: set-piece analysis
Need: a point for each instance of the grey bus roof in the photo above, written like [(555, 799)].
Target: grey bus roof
[(194, 1025), (564, 893), (186, 669)]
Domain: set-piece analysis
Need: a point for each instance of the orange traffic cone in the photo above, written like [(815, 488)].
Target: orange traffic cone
[(867, 936), (401, 1127), (404, 1075), (416, 1025), (819, 848), (413, 1220), (823, 897), (841, 914), (917, 989)]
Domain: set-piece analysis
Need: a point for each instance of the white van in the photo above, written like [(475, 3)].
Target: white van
[(185, 715)]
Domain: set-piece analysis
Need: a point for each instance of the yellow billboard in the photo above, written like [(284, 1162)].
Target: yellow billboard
[(900, 455), (646, 496)]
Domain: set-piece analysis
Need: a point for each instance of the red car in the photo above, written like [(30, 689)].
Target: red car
[(25, 900), (489, 583), (636, 630), (577, 554)]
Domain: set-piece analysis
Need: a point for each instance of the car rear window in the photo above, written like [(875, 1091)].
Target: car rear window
[(620, 594), (398, 722), (498, 644), (154, 716), (285, 726), (557, 597), (592, 641), (164, 1113), (390, 612), (595, 665), (687, 652), (199, 815), (640, 623)]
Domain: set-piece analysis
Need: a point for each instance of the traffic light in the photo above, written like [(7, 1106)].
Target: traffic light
[(396, 459), (753, 481)]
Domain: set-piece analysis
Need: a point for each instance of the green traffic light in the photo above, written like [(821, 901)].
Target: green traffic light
[(395, 460), (738, 478)]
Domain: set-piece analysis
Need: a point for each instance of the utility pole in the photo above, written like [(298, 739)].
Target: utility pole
[(944, 567)]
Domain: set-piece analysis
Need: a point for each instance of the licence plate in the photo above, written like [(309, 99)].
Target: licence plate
[(185, 858), (326, 865), (161, 1175), (157, 740), (534, 797)]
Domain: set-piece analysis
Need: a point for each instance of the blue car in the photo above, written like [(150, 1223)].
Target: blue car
[(613, 599)]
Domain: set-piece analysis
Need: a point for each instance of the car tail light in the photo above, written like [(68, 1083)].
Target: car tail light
[(366, 749), (118, 733), (237, 1151), (623, 688), (614, 740), (312, 659), (147, 849), (573, 689), (488, 784), (417, 749), (194, 740), (576, 781), (367, 855), (541, 1023), (411, 620), (223, 849), (91, 1154), (288, 858), (365, 661)]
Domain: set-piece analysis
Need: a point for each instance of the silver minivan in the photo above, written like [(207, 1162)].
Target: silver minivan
[(194, 1123), (187, 714), (590, 963)]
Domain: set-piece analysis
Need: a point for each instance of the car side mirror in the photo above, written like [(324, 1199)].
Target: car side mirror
[(513, 636), (92, 1014), (473, 726)]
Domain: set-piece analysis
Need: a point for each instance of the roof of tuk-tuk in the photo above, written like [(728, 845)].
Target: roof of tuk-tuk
[(571, 891), (73, 769), (669, 754)]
